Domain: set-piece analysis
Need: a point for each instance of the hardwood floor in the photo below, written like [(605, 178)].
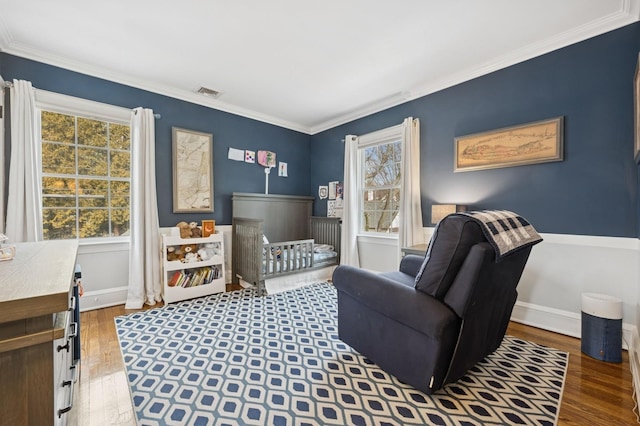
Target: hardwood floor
[(595, 393)]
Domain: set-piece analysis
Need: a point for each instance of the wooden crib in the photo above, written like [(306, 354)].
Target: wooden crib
[(302, 242)]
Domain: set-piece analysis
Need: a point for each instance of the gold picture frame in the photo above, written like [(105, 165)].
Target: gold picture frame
[(531, 143), (208, 227), (636, 112), (192, 171)]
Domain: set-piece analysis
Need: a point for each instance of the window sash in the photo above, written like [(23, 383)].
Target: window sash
[(389, 135), (99, 197)]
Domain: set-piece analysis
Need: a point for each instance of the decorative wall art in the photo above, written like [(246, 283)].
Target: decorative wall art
[(282, 169), (323, 192), (267, 158), (192, 171), (537, 142), (235, 154)]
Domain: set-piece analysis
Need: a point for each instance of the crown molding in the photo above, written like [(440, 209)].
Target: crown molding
[(628, 13), (36, 55), (5, 37)]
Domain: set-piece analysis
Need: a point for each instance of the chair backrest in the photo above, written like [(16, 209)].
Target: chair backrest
[(452, 240), (483, 295), (460, 269)]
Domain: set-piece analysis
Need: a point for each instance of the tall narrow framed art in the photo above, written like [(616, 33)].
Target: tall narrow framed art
[(192, 171)]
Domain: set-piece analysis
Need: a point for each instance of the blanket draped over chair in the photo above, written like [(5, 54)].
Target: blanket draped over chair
[(505, 231)]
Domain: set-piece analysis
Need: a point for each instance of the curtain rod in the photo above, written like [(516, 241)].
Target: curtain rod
[(8, 84)]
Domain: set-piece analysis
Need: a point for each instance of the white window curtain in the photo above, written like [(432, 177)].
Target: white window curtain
[(411, 229), (350, 207), (144, 255), (24, 202)]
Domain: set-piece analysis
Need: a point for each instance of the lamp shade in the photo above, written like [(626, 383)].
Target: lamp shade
[(440, 211)]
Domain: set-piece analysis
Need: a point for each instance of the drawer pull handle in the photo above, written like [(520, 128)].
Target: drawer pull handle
[(61, 347), (70, 406)]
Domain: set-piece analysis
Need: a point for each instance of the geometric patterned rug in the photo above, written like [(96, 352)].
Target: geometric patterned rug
[(239, 359)]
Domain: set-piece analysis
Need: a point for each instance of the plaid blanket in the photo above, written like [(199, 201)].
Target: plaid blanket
[(506, 231)]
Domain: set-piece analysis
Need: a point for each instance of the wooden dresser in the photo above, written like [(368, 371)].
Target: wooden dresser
[(37, 330)]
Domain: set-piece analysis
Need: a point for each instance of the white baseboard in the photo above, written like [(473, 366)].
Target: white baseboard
[(103, 298), (563, 322)]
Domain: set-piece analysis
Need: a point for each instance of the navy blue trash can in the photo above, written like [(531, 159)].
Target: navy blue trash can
[(602, 327)]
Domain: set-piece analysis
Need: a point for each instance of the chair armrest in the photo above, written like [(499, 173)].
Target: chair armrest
[(395, 300), (410, 264)]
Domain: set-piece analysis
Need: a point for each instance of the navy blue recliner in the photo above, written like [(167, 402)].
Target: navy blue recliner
[(430, 322)]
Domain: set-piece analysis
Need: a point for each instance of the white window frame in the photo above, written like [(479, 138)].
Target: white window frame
[(70, 105), (383, 136)]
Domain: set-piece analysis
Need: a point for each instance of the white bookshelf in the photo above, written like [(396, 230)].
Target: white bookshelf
[(206, 276)]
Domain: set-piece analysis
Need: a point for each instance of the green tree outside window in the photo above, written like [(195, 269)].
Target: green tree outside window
[(86, 177)]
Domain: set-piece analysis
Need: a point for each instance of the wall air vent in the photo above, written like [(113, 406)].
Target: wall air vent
[(209, 92)]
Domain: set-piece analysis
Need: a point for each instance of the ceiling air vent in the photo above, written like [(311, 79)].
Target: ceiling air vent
[(209, 92)]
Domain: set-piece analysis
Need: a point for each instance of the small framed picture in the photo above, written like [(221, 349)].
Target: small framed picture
[(208, 227)]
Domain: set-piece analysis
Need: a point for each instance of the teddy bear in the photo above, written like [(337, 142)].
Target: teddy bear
[(185, 229), (174, 253), (196, 232), (171, 254), (189, 248)]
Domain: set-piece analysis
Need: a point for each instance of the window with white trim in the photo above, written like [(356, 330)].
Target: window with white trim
[(379, 177), (86, 168)]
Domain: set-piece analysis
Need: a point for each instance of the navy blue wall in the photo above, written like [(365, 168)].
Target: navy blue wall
[(593, 191), (228, 130)]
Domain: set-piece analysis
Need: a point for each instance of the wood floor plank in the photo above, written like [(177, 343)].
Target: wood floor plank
[(595, 392)]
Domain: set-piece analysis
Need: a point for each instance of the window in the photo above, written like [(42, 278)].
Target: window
[(379, 176), (86, 177)]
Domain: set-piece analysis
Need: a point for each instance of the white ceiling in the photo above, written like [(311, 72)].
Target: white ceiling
[(304, 65)]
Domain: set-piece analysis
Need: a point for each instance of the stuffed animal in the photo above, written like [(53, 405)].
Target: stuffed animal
[(202, 253), (172, 254), (190, 257), (212, 249), (195, 231), (185, 229), (189, 248)]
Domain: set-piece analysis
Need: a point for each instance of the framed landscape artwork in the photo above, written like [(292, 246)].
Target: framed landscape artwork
[(192, 171), (531, 143)]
